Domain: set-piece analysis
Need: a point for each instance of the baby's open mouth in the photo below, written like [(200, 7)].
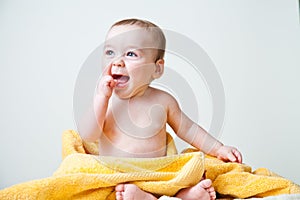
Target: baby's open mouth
[(120, 79)]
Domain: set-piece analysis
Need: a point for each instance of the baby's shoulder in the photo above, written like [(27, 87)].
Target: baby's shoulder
[(161, 95)]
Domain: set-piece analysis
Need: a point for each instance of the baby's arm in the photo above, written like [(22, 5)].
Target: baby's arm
[(195, 135), (92, 126)]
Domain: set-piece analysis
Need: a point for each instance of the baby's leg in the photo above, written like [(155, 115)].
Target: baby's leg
[(132, 192), (202, 191)]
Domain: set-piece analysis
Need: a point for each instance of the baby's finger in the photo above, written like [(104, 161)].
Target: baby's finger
[(106, 80), (107, 70), (105, 85), (238, 155), (113, 83), (232, 157)]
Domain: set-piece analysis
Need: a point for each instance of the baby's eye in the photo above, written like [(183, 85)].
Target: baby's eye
[(109, 53), (131, 54)]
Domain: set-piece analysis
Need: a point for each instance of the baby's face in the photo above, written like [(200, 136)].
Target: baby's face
[(131, 52)]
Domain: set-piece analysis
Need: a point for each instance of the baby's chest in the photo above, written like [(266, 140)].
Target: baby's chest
[(148, 119)]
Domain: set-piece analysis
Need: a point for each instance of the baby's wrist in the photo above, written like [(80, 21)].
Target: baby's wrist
[(217, 149), (100, 98)]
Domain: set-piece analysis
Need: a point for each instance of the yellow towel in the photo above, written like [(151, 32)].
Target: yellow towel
[(237, 181), (85, 176)]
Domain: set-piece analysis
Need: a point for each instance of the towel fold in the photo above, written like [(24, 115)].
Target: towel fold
[(234, 180), (86, 176), (83, 175)]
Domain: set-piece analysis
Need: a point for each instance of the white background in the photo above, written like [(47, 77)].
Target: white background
[(255, 46)]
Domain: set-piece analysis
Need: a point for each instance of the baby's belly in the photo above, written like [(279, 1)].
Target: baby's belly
[(124, 145)]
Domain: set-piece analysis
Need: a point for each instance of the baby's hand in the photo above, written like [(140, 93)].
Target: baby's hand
[(227, 153), (106, 83)]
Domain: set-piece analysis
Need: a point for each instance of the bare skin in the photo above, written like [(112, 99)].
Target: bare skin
[(202, 191), (129, 117)]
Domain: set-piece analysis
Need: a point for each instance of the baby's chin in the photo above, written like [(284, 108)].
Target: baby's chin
[(123, 93)]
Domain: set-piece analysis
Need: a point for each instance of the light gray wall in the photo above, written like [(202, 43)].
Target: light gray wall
[(254, 44)]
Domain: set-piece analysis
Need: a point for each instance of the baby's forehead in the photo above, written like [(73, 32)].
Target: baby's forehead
[(132, 35), (128, 29)]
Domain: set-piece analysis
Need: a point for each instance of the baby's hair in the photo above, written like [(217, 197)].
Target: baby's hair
[(158, 33)]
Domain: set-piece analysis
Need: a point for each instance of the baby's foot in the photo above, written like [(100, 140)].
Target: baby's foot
[(202, 191), (132, 192)]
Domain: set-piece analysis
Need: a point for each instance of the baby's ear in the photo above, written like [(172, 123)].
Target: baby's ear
[(159, 68)]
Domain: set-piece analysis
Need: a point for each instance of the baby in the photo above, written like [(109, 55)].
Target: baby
[(131, 117)]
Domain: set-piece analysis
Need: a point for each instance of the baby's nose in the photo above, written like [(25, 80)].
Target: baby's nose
[(118, 62)]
